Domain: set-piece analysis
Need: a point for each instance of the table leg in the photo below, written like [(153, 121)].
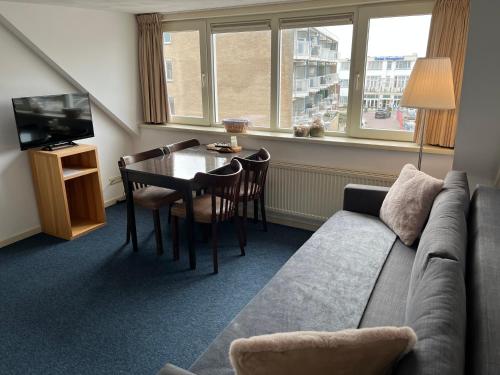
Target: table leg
[(131, 214), (188, 198)]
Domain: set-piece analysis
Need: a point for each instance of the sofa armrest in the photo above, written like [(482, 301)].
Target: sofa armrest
[(170, 369), (364, 199)]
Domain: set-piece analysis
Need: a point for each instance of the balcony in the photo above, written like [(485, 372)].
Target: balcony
[(301, 50), (314, 84), (329, 80), (300, 87)]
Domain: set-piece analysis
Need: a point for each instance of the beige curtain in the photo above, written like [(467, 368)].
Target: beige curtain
[(151, 69), (447, 38)]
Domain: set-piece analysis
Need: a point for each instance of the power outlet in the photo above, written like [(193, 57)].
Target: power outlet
[(115, 180)]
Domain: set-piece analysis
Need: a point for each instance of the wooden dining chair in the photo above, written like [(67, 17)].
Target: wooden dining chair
[(218, 204), (182, 145), (253, 182), (150, 197)]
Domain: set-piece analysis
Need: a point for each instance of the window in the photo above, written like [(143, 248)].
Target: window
[(312, 83), (168, 70), (242, 76), (171, 105), (375, 65), (167, 38), (185, 60), (287, 68), (403, 65), (382, 90)]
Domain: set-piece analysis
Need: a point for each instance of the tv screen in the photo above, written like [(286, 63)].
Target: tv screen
[(52, 120)]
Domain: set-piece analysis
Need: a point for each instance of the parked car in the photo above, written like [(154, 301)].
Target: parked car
[(383, 113)]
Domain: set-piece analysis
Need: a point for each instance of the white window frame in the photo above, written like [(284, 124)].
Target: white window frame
[(200, 26), (204, 23), (359, 66)]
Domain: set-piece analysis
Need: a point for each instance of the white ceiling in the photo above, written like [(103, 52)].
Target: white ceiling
[(163, 6)]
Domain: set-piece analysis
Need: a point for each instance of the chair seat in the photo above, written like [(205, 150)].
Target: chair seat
[(154, 197), (202, 208)]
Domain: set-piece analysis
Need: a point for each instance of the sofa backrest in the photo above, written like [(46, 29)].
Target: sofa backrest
[(483, 283), (436, 301)]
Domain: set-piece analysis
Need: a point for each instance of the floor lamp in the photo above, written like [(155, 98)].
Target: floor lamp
[(430, 87)]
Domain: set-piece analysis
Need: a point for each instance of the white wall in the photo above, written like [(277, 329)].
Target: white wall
[(23, 73), (334, 156), (477, 148), (98, 49)]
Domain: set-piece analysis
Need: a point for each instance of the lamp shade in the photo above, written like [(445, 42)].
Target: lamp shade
[(430, 85)]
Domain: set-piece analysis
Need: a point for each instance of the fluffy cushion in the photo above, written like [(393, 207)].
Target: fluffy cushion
[(408, 203), (353, 351)]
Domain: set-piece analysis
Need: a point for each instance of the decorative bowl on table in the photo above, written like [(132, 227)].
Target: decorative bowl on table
[(235, 125)]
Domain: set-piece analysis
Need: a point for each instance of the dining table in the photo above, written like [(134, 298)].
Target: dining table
[(176, 171)]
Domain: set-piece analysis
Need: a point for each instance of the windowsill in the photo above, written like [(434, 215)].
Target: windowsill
[(327, 140)]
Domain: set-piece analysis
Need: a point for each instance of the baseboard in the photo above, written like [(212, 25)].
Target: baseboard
[(20, 236), (290, 220), (35, 230)]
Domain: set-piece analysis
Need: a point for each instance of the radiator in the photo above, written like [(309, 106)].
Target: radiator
[(305, 196)]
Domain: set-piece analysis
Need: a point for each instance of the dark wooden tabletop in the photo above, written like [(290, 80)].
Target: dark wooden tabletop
[(184, 164)]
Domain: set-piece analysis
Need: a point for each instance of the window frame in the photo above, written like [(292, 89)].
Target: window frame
[(200, 26), (359, 61), (361, 15)]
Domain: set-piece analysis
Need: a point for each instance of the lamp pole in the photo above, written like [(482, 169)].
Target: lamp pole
[(422, 130)]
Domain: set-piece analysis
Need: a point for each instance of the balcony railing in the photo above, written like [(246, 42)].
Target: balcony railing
[(329, 79), (314, 83), (301, 86), (301, 50)]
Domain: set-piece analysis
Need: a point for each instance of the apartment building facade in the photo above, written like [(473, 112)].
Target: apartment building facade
[(309, 82)]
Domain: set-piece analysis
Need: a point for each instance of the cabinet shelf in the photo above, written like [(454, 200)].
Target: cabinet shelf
[(69, 173), (68, 189)]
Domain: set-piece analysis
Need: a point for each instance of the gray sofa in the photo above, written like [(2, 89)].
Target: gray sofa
[(421, 286)]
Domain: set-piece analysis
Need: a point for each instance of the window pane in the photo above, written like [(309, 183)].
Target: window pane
[(242, 63), (183, 71), (315, 67), (394, 44)]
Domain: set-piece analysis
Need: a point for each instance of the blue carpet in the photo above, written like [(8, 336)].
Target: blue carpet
[(92, 306)]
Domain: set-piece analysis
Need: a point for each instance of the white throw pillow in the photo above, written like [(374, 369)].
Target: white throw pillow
[(408, 203), (367, 351)]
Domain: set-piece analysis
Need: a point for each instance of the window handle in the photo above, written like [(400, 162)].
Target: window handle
[(356, 85), (203, 79)]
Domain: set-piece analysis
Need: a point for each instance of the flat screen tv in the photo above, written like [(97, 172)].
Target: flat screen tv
[(51, 121)]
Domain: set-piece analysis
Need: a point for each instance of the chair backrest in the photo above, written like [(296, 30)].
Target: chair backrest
[(182, 145), (224, 188), (135, 158), (255, 172)]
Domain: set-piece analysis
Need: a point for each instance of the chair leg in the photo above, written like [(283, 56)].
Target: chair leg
[(127, 241), (239, 231), (175, 237), (159, 241), (245, 213), (255, 211), (263, 211), (170, 213), (214, 248)]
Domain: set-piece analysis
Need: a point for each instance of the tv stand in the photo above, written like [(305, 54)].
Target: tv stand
[(68, 190), (59, 146)]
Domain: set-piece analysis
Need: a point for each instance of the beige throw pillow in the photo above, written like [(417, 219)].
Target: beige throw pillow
[(354, 351), (408, 203)]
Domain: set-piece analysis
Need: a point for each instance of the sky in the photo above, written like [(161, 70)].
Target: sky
[(394, 36)]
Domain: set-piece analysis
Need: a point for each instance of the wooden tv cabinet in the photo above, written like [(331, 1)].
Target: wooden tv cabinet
[(68, 190)]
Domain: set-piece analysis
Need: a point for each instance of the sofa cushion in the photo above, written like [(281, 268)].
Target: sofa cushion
[(368, 351), (437, 313), (408, 203), (483, 283), (445, 234), (387, 304)]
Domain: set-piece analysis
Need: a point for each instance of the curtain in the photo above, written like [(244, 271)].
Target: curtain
[(151, 70), (447, 38)]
